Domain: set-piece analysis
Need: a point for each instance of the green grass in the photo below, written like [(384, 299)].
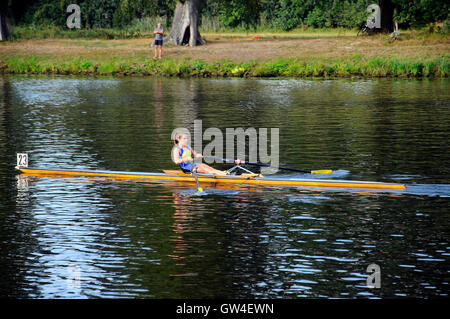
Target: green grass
[(414, 54), (341, 67), (52, 32)]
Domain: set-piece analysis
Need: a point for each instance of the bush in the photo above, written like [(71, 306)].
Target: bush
[(283, 67), (446, 26), (107, 68)]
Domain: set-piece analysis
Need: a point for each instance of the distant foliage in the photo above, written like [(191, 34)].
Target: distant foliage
[(239, 12), (94, 13), (420, 12), (276, 14)]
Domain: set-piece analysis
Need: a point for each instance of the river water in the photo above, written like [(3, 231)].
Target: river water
[(89, 238)]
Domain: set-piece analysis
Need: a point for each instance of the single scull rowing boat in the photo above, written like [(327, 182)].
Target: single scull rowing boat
[(244, 179)]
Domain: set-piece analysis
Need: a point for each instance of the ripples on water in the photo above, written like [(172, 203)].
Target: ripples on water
[(84, 237), (150, 240)]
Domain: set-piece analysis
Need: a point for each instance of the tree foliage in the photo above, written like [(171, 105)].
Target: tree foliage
[(420, 12), (278, 14), (236, 12), (95, 13)]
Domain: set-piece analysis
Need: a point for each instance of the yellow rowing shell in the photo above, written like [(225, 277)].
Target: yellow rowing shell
[(178, 176)]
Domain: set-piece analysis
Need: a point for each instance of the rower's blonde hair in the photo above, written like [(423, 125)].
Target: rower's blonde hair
[(177, 138)]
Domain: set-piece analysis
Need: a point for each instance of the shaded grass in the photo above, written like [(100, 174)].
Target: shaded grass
[(294, 67), (145, 29), (52, 32)]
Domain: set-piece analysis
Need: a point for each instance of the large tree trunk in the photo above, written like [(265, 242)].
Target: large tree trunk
[(387, 15), (185, 24), (5, 31)]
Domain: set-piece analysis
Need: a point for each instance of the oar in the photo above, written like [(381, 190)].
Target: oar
[(238, 162), (194, 171)]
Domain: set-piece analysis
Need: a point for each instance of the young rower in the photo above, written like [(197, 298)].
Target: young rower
[(182, 156)]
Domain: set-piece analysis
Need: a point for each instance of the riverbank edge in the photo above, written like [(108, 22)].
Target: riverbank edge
[(295, 67)]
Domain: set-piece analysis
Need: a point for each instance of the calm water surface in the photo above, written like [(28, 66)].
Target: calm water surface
[(87, 238)]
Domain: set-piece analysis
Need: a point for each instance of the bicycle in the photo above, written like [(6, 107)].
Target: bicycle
[(365, 30)]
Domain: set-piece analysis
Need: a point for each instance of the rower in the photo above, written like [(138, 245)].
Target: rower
[(182, 156)]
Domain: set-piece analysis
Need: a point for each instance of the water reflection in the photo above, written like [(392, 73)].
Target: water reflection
[(159, 105), (262, 242)]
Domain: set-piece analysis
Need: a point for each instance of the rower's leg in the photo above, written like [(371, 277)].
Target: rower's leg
[(206, 169)]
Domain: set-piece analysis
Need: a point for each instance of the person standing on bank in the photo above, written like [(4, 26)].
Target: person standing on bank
[(159, 31)]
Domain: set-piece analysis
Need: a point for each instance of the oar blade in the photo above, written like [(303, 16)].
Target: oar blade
[(323, 171)]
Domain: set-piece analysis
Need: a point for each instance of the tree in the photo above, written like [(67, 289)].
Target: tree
[(5, 31), (387, 15), (185, 24)]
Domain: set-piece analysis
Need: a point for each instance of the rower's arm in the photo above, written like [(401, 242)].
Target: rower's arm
[(176, 157), (197, 155)]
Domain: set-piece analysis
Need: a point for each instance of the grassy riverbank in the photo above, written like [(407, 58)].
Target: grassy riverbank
[(299, 54)]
